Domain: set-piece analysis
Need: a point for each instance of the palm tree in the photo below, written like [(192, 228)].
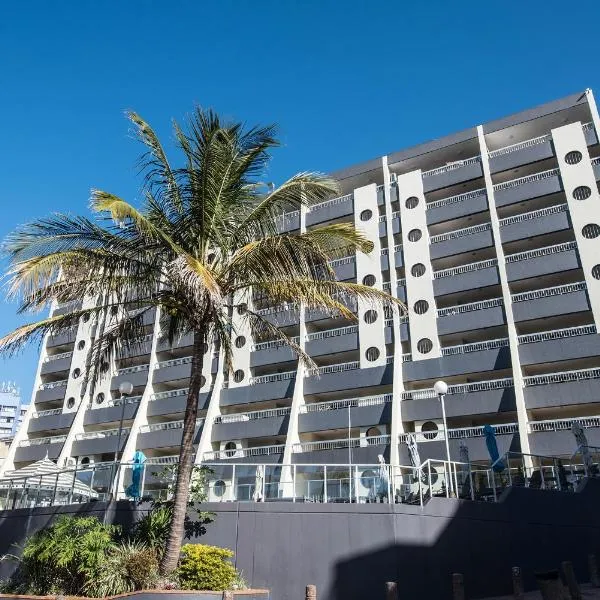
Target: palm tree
[(201, 244)]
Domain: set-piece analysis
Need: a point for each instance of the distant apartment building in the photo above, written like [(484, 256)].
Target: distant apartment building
[(492, 238)]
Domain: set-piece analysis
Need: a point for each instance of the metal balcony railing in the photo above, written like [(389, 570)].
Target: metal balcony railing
[(595, 161), (464, 308), (50, 385), (461, 388), (521, 145), (134, 344), (384, 251), (167, 426), (272, 344), (562, 377), (163, 460), (280, 219), (254, 415), (328, 203), (475, 347), (588, 126), (346, 260), (186, 360), (97, 435), (46, 413), (274, 377), (53, 357), (534, 214), (457, 233), (169, 394), (562, 424), (329, 333), (272, 310), (381, 219), (136, 369), (546, 251), (396, 214), (244, 452), (476, 266), (54, 439), (469, 432), (342, 443), (387, 287), (347, 403), (119, 402), (456, 199), (557, 290), (407, 357), (339, 368), (452, 166), (398, 248), (401, 282), (557, 334), (527, 179)]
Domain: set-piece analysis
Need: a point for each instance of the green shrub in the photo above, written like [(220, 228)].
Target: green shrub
[(206, 568), (153, 528)]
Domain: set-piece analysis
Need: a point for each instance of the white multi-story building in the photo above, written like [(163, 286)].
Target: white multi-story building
[(492, 238)]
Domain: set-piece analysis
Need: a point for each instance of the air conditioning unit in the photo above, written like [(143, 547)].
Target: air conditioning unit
[(368, 484), (220, 490), (430, 430)]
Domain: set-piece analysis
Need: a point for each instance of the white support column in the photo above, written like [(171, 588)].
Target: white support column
[(241, 340), (593, 110), (581, 191), (506, 296), (397, 424)]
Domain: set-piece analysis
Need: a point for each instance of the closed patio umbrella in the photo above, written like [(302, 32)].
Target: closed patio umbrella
[(134, 490), (257, 496), (382, 484), (582, 446), (492, 445)]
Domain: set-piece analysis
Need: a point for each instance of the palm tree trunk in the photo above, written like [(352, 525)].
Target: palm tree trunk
[(186, 460)]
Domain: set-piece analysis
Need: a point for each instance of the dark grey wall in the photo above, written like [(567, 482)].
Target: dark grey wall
[(548, 351), (523, 156), (171, 406), (542, 265), (475, 319), (537, 226), (466, 281), (445, 179), (51, 422), (31, 453), (562, 394), (53, 366), (109, 414), (531, 189), (457, 209), (349, 380), (360, 416), (250, 429), (330, 212), (274, 390), (549, 306), (465, 243)]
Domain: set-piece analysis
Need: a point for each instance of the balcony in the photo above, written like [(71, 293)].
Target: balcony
[(111, 412), (346, 376), (289, 221), (537, 222), (361, 450), (552, 301), (37, 448), (62, 339), (452, 174), (332, 341), (475, 275), (258, 454), (137, 347), (364, 411), (53, 390), (50, 420), (265, 387), (554, 437), (344, 268), (255, 424), (526, 188), (178, 369), (459, 241), (55, 363), (330, 210), (137, 375), (522, 153), (173, 402), (184, 341), (481, 397), (474, 315), (454, 207), (99, 442), (165, 435), (272, 352), (281, 315), (562, 389), (559, 344), (542, 261)]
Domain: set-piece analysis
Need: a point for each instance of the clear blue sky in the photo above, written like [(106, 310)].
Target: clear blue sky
[(346, 81)]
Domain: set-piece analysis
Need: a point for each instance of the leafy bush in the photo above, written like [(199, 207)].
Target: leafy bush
[(206, 568), (153, 528)]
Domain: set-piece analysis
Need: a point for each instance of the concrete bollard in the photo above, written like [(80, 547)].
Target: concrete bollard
[(550, 585), (569, 573), (311, 592), (391, 590), (458, 586), (593, 568), (517, 581)]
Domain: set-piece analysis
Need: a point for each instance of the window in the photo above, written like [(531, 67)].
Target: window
[(596, 271), (573, 157), (365, 215), (76, 373), (71, 402), (421, 307), (369, 280), (370, 317), (429, 430), (372, 354), (583, 192), (85, 460), (414, 235), (412, 202), (424, 345), (202, 381), (99, 398), (230, 448), (238, 376), (219, 488), (590, 231), (81, 345), (418, 270), (240, 341), (242, 308)]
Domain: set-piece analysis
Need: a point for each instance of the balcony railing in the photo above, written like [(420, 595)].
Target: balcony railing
[(50, 385), (557, 334), (167, 426), (244, 452), (46, 413), (455, 199), (595, 161), (563, 424), (562, 377), (339, 368), (461, 388), (381, 219), (452, 166), (342, 443), (329, 333), (134, 344), (476, 266), (97, 435), (527, 179), (534, 214), (53, 357), (135, 369), (464, 308), (280, 219), (347, 403), (384, 251), (54, 439), (461, 433), (557, 290), (475, 347), (273, 310), (118, 402), (186, 360), (396, 214), (398, 248), (272, 344), (163, 460), (328, 203), (407, 357), (169, 394), (546, 251), (521, 145), (274, 377), (346, 260), (458, 233), (254, 415)]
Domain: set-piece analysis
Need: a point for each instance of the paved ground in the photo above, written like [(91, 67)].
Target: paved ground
[(588, 592)]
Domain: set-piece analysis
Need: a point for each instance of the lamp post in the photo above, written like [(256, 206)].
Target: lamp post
[(125, 389), (441, 389)]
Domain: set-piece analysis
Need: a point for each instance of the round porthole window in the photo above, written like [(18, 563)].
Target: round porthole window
[(424, 345), (373, 432), (365, 215), (590, 231), (219, 488), (412, 202), (429, 429), (369, 280), (114, 310), (240, 341), (372, 354), (370, 317), (211, 257), (242, 308), (71, 402), (85, 460), (99, 398), (367, 478), (238, 376), (230, 448), (418, 270), (573, 157), (414, 235), (81, 345), (76, 373), (583, 192), (596, 271), (421, 307), (86, 318)]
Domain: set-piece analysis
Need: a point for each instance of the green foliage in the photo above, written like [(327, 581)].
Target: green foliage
[(206, 568), (153, 528)]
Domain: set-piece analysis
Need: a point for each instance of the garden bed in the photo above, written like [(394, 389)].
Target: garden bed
[(161, 595)]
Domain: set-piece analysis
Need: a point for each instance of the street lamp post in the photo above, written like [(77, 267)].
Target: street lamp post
[(441, 389), (125, 389)]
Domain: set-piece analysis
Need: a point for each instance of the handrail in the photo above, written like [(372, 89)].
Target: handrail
[(461, 388), (332, 202), (95, 435), (475, 347), (563, 424), (274, 377), (345, 260), (521, 145), (53, 357), (562, 377), (546, 251), (46, 413), (118, 402), (454, 199), (452, 166), (272, 344), (271, 310), (53, 384), (503, 429), (328, 333), (338, 368), (398, 248), (475, 266), (471, 306), (53, 439), (457, 233), (169, 394), (287, 215), (167, 425), (173, 362), (595, 161), (527, 179), (384, 251), (557, 334), (347, 403), (136, 369), (556, 290), (243, 452), (534, 214), (252, 415), (163, 460), (340, 443)]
